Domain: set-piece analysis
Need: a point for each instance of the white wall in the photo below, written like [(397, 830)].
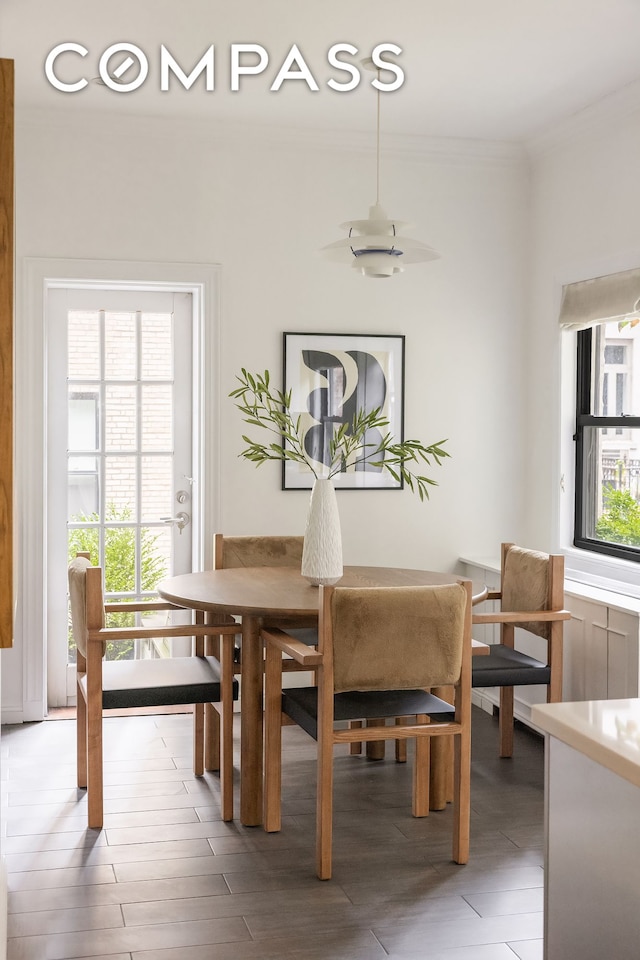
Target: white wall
[(585, 223), (3, 881), (115, 188)]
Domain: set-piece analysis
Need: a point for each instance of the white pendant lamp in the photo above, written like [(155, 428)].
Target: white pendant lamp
[(375, 246)]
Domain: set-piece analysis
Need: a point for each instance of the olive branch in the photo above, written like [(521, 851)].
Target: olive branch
[(261, 405)]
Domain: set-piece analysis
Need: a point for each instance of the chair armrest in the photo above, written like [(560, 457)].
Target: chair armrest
[(122, 607), (521, 616), (300, 652), (479, 649), (115, 634), (480, 597), (486, 594)]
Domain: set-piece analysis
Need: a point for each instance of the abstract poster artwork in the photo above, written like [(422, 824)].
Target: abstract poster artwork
[(331, 377)]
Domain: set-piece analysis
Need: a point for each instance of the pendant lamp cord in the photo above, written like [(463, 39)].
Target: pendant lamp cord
[(378, 143)]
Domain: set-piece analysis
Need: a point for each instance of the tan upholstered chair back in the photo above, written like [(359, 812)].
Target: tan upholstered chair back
[(397, 638), (78, 597), (258, 551), (525, 585)]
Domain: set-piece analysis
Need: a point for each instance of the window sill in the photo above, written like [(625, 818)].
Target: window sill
[(610, 593), (607, 574), (486, 563)]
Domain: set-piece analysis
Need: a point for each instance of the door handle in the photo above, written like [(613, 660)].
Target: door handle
[(181, 520)]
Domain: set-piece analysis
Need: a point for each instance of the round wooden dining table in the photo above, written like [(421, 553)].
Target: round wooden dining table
[(265, 596)]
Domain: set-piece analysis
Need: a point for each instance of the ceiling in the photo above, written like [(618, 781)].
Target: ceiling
[(480, 69)]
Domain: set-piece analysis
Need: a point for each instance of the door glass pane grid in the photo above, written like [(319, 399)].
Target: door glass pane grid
[(156, 346), (83, 443), (106, 503), (120, 489), (120, 331), (121, 416), (156, 417), (83, 344)]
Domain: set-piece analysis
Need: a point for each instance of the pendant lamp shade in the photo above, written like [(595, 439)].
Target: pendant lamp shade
[(375, 247)]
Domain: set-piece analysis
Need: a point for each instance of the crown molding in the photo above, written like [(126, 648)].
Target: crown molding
[(591, 120), (437, 149)]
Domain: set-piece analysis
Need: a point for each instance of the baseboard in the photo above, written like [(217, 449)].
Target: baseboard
[(489, 701), (486, 703), (12, 715), (3, 910), (29, 712)]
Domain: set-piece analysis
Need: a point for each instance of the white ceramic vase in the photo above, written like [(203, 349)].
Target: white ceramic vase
[(322, 552)]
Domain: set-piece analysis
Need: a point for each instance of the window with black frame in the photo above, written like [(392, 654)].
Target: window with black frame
[(607, 509)]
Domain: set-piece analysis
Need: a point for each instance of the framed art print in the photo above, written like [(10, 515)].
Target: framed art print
[(331, 376)]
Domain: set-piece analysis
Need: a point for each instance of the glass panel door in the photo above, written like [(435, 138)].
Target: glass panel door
[(127, 468)]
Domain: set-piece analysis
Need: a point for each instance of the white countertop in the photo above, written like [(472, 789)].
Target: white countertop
[(607, 731)]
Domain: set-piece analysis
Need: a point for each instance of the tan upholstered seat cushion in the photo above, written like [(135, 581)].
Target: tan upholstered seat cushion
[(397, 638)]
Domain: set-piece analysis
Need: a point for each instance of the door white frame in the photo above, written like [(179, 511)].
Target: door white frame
[(24, 695)]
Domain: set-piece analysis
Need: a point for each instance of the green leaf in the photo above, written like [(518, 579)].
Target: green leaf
[(267, 408)]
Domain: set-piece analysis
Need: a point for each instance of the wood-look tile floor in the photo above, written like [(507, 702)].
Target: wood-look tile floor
[(168, 880)]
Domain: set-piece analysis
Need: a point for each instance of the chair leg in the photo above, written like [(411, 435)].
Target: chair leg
[(355, 747), (554, 688), (442, 763), (94, 736), (375, 748), (272, 815), (214, 646), (198, 739), (439, 769), (506, 721), (94, 765), (450, 786), (211, 737), (81, 739), (225, 729), (401, 745), (324, 808), (461, 795), (421, 776), (198, 709), (226, 762)]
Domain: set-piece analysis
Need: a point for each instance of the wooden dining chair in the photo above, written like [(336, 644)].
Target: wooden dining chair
[(263, 551), (117, 684), (379, 651), (401, 745), (531, 598), (253, 551)]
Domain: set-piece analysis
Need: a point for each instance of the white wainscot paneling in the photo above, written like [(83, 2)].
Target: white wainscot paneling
[(602, 641)]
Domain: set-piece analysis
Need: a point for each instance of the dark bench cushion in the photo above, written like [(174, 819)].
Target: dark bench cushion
[(504, 667), (162, 682), (301, 704)]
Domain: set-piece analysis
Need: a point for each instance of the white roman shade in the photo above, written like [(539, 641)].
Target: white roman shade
[(599, 300)]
